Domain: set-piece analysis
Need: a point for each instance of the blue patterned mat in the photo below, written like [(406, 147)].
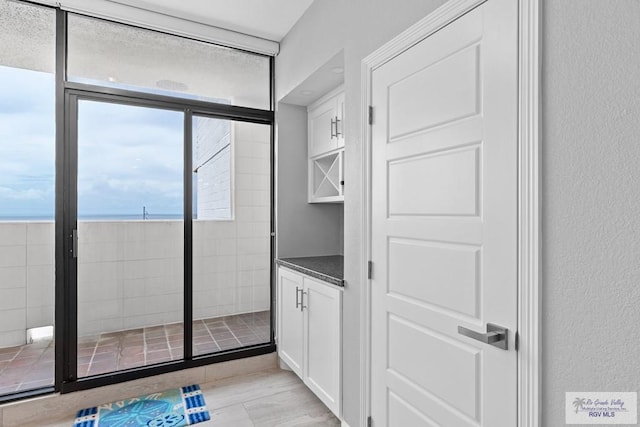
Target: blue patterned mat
[(172, 408)]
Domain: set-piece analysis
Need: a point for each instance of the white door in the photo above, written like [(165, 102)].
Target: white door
[(290, 320), (444, 225)]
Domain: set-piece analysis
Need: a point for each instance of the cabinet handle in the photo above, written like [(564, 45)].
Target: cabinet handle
[(338, 133), (298, 303), (334, 122), (302, 306)]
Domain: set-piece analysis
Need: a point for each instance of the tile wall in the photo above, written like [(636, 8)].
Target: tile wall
[(131, 272), (237, 251), (26, 279)]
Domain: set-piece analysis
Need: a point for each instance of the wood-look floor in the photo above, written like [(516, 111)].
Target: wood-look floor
[(265, 399)]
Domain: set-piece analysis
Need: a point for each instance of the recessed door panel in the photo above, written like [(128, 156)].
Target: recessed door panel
[(443, 274), (448, 184), (440, 93), (401, 413), (452, 372)]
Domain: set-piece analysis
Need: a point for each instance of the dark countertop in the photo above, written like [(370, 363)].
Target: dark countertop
[(327, 268)]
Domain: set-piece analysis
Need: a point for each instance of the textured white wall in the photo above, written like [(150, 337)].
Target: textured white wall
[(591, 177), (590, 199), (359, 27)]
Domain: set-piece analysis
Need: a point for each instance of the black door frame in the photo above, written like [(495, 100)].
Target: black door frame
[(68, 94)]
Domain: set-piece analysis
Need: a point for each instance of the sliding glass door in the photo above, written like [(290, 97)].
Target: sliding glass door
[(170, 231), (231, 234), (130, 236)]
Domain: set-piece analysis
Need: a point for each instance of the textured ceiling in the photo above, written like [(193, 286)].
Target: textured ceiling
[(268, 19)]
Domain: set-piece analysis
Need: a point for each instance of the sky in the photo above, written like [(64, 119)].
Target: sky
[(27, 143), (128, 157)]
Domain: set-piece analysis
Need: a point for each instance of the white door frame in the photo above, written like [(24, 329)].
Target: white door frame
[(529, 292)]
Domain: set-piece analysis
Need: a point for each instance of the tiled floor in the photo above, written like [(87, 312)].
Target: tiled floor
[(26, 367), (31, 366), (272, 398)]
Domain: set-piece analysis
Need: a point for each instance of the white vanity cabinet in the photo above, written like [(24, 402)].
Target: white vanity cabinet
[(326, 148), (309, 334)]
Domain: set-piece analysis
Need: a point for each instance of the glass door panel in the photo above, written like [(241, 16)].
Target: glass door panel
[(130, 258), (27, 197), (231, 234)]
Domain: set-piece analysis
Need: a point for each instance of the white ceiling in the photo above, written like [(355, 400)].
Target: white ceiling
[(268, 19), (327, 77)]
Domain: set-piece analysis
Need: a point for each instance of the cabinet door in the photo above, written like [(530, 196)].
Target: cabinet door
[(340, 116), (290, 320), (323, 342), (322, 128)]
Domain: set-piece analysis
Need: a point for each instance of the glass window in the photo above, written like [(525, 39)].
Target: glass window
[(130, 163), (212, 168), (27, 105), (27, 196), (232, 259), (111, 54), (130, 237), (130, 252)]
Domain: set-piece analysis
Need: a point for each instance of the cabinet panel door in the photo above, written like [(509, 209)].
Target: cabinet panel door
[(290, 320), (322, 128), (340, 112), (323, 342)]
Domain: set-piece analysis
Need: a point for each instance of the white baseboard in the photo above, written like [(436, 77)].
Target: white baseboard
[(344, 424), (283, 365)]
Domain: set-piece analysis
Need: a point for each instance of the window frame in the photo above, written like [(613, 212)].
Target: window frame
[(66, 282), (67, 94), (65, 298)]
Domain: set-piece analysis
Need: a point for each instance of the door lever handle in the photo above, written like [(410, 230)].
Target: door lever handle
[(495, 335)]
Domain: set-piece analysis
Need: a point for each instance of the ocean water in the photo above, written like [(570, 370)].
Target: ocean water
[(118, 217)]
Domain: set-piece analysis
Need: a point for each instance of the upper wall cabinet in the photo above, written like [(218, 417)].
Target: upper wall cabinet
[(326, 123), (326, 148)]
